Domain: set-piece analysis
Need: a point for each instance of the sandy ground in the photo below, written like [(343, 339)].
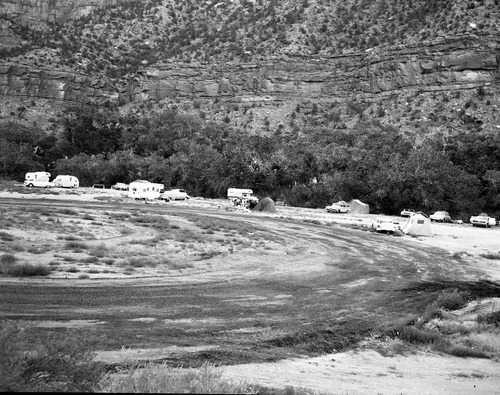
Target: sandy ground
[(368, 372), (365, 371)]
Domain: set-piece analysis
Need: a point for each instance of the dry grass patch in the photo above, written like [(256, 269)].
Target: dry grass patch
[(160, 378)]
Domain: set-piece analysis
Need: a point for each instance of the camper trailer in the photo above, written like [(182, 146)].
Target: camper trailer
[(239, 193), (38, 179), (64, 181), (143, 189)]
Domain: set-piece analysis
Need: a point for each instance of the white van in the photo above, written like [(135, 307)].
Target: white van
[(38, 179), (64, 181)]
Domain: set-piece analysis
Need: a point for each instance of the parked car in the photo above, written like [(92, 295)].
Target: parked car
[(120, 186), (339, 207), (383, 224), (440, 216), (483, 219), (407, 212), (174, 194)]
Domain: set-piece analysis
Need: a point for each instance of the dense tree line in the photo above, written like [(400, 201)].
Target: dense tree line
[(311, 167)]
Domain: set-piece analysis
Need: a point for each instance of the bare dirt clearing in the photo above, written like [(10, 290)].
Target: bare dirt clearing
[(285, 293)]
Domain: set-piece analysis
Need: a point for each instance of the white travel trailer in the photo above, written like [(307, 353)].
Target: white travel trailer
[(64, 181), (38, 179), (143, 189), (239, 193)]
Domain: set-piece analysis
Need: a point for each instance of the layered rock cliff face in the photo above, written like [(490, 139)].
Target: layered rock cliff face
[(448, 64), (40, 11)]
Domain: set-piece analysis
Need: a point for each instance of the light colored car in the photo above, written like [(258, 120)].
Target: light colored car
[(383, 224), (483, 219), (339, 207), (120, 186), (174, 194), (440, 216), (407, 212)]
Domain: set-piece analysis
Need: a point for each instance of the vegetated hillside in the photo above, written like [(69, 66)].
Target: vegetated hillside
[(117, 40)]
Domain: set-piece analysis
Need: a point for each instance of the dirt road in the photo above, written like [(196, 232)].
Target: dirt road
[(332, 293)]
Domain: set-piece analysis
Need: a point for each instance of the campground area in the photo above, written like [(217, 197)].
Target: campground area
[(296, 298)]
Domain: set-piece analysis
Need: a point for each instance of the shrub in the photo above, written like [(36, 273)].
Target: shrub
[(490, 319), (7, 259), (491, 255), (108, 261), (414, 335), (141, 262), (76, 245), (68, 211), (99, 250), (50, 363), (463, 352), (451, 300), (6, 236), (27, 270)]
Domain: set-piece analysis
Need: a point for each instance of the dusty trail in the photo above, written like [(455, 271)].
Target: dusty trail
[(246, 305)]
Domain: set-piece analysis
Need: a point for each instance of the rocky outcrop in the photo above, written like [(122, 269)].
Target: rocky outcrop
[(36, 11), (448, 64)]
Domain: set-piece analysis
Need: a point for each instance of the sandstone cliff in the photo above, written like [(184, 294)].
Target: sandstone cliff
[(41, 11), (447, 64)]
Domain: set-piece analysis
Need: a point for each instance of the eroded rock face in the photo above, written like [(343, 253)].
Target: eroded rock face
[(459, 63), (53, 10)]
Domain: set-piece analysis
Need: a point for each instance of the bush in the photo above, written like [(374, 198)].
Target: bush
[(490, 319), (451, 300), (27, 270), (7, 259), (6, 236), (141, 262), (99, 251), (76, 245), (414, 335), (50, 363)]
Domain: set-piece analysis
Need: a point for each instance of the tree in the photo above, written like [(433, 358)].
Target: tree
[(90, 130)]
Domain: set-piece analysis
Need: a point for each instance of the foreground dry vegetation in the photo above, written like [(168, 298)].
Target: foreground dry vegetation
[(160, 295)]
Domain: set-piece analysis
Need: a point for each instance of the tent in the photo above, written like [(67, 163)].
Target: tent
[(358, 207), (266, 205), (418, 225)]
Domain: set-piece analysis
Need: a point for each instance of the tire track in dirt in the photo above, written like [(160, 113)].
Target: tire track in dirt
[(353, 275)]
